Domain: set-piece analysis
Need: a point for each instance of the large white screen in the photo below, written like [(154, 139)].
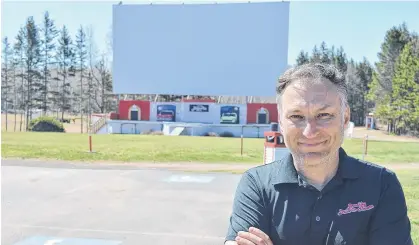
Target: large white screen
[(237, 49)]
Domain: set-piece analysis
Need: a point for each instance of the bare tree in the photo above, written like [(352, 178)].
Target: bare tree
[(7, 53), (81, 54), (91, 61), (104, 84), (20, 63)]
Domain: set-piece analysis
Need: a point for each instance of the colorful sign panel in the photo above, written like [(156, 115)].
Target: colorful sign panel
[(198, 108), (229, 115), (166, 113)]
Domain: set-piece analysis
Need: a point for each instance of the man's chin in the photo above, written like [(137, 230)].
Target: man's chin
[(314, 154), (313, 158)]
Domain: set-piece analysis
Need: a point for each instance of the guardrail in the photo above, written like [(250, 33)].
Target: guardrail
[(99, 124)]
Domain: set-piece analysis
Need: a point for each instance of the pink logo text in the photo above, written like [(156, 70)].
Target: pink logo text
[(357, 207)]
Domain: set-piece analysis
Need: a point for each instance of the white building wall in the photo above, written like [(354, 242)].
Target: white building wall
[(199, 112), (130, 127), (192, 129)]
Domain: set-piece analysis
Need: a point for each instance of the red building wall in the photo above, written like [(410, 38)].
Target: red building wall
[(124, 106), (252, 109)]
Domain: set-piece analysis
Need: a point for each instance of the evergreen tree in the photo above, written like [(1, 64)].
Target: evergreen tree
[(324, 54), (341, 60), (395, 40), (65, 58), (49, 34), (364, 72), (302, 58), (316, 56), (32, 58), (405, 95)]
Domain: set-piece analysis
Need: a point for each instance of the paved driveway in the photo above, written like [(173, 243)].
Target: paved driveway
[(101, 205)]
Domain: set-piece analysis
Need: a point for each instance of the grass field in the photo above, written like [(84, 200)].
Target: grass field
[(139, 148), (410, 182), (155, 148)]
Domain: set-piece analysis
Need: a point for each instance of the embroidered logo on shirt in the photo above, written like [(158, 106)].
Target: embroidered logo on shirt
[(357, 207)]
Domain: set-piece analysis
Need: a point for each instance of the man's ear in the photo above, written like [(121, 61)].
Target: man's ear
[(347, 116)]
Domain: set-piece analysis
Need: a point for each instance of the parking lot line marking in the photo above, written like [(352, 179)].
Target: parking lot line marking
[(190, 178), (116, 231)]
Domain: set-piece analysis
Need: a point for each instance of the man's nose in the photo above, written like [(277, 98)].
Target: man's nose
[(310, 130)]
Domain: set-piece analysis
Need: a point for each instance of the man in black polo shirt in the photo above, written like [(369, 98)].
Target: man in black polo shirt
[(317, 195)]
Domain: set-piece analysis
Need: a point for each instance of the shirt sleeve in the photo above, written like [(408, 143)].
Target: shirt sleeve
[(390, 223), (249, 208)]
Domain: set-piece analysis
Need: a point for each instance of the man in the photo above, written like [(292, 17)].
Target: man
[(317, 194)]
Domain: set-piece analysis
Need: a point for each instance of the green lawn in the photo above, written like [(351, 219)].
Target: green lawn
[(137, 148), (410, 182)]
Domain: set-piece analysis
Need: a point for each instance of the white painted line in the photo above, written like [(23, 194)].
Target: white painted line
[(53, 242), (190, 178), (45, 240), (117, 231)]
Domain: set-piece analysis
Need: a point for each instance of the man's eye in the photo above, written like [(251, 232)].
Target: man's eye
[(324, 115)]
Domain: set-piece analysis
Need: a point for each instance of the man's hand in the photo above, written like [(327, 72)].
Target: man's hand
[(253, 237)]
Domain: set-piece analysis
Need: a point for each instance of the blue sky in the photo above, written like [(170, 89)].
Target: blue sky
[(358, 26)]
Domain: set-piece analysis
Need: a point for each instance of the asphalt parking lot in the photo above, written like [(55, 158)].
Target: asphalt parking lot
[(60, 204)]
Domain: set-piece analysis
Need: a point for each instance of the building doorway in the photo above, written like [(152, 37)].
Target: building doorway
[(262, 116), (134, 113)]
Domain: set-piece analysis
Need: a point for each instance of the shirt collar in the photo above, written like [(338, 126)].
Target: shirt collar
[(347, 169), (285, 171)]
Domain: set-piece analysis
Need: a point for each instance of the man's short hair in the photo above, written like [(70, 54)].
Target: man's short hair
[(313, 72)]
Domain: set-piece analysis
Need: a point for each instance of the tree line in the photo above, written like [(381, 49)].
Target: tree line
[(48, 70), (389, 88)]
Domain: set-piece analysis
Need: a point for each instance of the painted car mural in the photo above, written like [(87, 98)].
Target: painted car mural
[(229, 115), (166, 113)]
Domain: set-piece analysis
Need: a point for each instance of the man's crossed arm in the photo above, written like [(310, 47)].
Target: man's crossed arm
[(253, 237)]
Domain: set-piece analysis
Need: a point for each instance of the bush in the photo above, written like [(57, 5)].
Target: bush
[(64, 120), (226, 134), (151, 132), (212, 134), (146, 132), (46, 124), (157, 133)]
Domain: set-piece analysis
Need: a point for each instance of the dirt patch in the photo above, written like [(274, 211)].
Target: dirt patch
[(381, 135)]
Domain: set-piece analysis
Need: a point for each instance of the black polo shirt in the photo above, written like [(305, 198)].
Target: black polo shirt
[(363, 204)]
